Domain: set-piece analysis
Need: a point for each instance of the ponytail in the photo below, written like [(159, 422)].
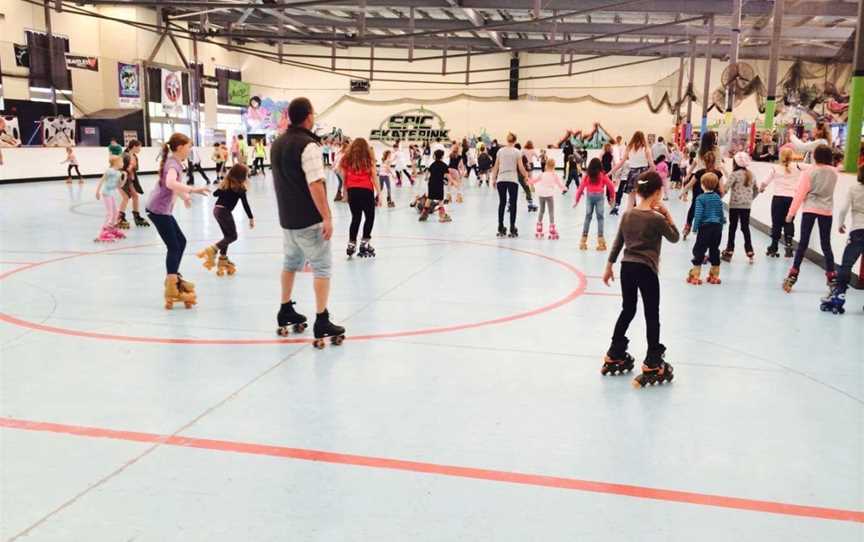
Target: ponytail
[(162, 158), (748, 177), (786, 156)]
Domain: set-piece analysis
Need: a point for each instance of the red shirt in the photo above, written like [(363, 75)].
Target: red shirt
[(358, 179)]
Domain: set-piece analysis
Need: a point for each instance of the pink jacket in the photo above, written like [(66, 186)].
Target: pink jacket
[(785, 184), (595, 187), (546, 184)]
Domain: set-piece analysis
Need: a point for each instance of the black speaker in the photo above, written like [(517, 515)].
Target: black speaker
[(514, 78)]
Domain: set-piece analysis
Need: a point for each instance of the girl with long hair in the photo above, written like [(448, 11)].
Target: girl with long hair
[(505, 178), (361, 181), (597, 184), (231, 190), (694, 182), (160, 208), (785, 178), (639, 159), (131, 189)]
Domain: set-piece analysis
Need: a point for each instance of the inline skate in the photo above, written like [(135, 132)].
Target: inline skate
[(834, 301), (288, 319), (352, 247), (366, 250), (139, 220), (121, 221), (661, 372), (325, 328), (105, 236), (224, 265)]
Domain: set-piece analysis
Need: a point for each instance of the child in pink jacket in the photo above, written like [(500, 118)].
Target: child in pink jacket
[(546, 186), (596, 182), (815, 197), (662, 169)]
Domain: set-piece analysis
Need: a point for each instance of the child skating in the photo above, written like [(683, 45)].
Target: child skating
[(816, 197), (640, 235), (694, 183), (385, 176), (231, 190), (742, 191), (160, 209), (595, 183), (107, 192), (785, 178), (854, 248), (437, 171), (546, 186), (72, 162), (362, 189), (708, 220)]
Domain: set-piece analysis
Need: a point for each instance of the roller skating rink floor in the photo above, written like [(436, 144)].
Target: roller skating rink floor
[(465, 404)]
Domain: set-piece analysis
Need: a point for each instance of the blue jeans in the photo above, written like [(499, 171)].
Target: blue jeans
[(593, 205)]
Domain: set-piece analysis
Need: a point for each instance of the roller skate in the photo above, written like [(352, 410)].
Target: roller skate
[(459, 198), (583, 243), (105, 236), (539, 232), (289, 319), (390, 203), (750, 255), (338, 197), (139, 220), (694, 276), (116, 233), (325, 328), (209, 257), (173, 294), (366, 250), (831, 279), (685, 232), (772, 251), (224, 265), (444, 217), (789, 251), (659, 374), (424, 214), (726, 255), (352, 247), (614, 212), (502, 232), (601, 243), (184, 285), (513, 232), (834, 301), (553, 232), (790, 280), (121, 221), (531, 207), (618, 364), (714, 275)]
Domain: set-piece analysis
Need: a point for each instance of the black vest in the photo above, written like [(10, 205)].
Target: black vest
[(296, 208)]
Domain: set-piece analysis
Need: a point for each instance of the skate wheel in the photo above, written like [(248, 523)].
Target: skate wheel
[(318, 344), (282, 331), (232, 271), (337, 340), (300, 328), (188, 304), (220, 273)]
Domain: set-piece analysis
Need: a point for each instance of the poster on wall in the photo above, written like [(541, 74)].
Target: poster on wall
[(22, 55), (10, 134), (90, 63), (411, 125), (129, 135), (129, 84), (172, 93), (239, 93), (58, 131), (267, 115)]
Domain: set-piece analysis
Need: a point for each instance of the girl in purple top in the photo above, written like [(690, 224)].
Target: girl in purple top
[(159, 209)]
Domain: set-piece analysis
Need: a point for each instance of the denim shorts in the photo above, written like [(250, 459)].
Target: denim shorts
[(304, 245)]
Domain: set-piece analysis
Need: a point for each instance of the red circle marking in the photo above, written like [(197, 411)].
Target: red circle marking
[(576, 292)]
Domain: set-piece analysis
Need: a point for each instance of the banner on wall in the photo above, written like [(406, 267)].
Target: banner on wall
[(239, 93), (263, 116), (129, 84), (90, 63), (412, 125), (22, 55), (58, 131), (172, 92), (10, 133)]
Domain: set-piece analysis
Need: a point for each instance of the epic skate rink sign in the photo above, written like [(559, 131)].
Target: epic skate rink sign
[(412, 125)]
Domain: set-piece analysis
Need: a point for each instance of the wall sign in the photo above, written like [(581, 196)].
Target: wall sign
[(172, 93), (412, 125), (82, 62), (22, 55), (128, 84), (359, 85), (239, 93)]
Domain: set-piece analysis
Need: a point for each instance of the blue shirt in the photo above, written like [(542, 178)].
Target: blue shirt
[(709, 210), (113, 177)]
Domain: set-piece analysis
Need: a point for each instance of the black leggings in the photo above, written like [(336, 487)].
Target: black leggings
[(507, 191), (736, 215), (708, 239), (70, 168), (528, 197), (825, 222), (851, 253), (638, 278), (191, 172), (361, 201), (258, 163), (229, 229), (173, 238), (779, 208), (572, 176)]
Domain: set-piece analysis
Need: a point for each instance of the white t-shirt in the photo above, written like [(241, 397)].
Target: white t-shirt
[(508, 169), (638, 158)]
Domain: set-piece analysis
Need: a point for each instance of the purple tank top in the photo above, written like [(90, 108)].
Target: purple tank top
[(162, 198)]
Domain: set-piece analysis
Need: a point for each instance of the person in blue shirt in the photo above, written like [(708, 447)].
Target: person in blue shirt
[(708, 221)]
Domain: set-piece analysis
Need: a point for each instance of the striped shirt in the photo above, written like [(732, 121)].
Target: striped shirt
[(709, 210)]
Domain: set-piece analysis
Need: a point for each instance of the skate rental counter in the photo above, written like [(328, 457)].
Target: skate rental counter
[(28, 164)]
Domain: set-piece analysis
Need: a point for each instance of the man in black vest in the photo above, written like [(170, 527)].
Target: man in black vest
[(301, 195)]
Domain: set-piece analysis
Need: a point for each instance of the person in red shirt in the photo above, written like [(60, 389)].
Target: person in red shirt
[(361, 184)]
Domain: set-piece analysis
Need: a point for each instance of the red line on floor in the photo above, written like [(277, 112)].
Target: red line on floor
[(640, 492), (7, 262), (36, 326)]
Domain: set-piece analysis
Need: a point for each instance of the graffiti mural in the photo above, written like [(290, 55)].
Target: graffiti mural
[(595, 139), (265, 116)]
